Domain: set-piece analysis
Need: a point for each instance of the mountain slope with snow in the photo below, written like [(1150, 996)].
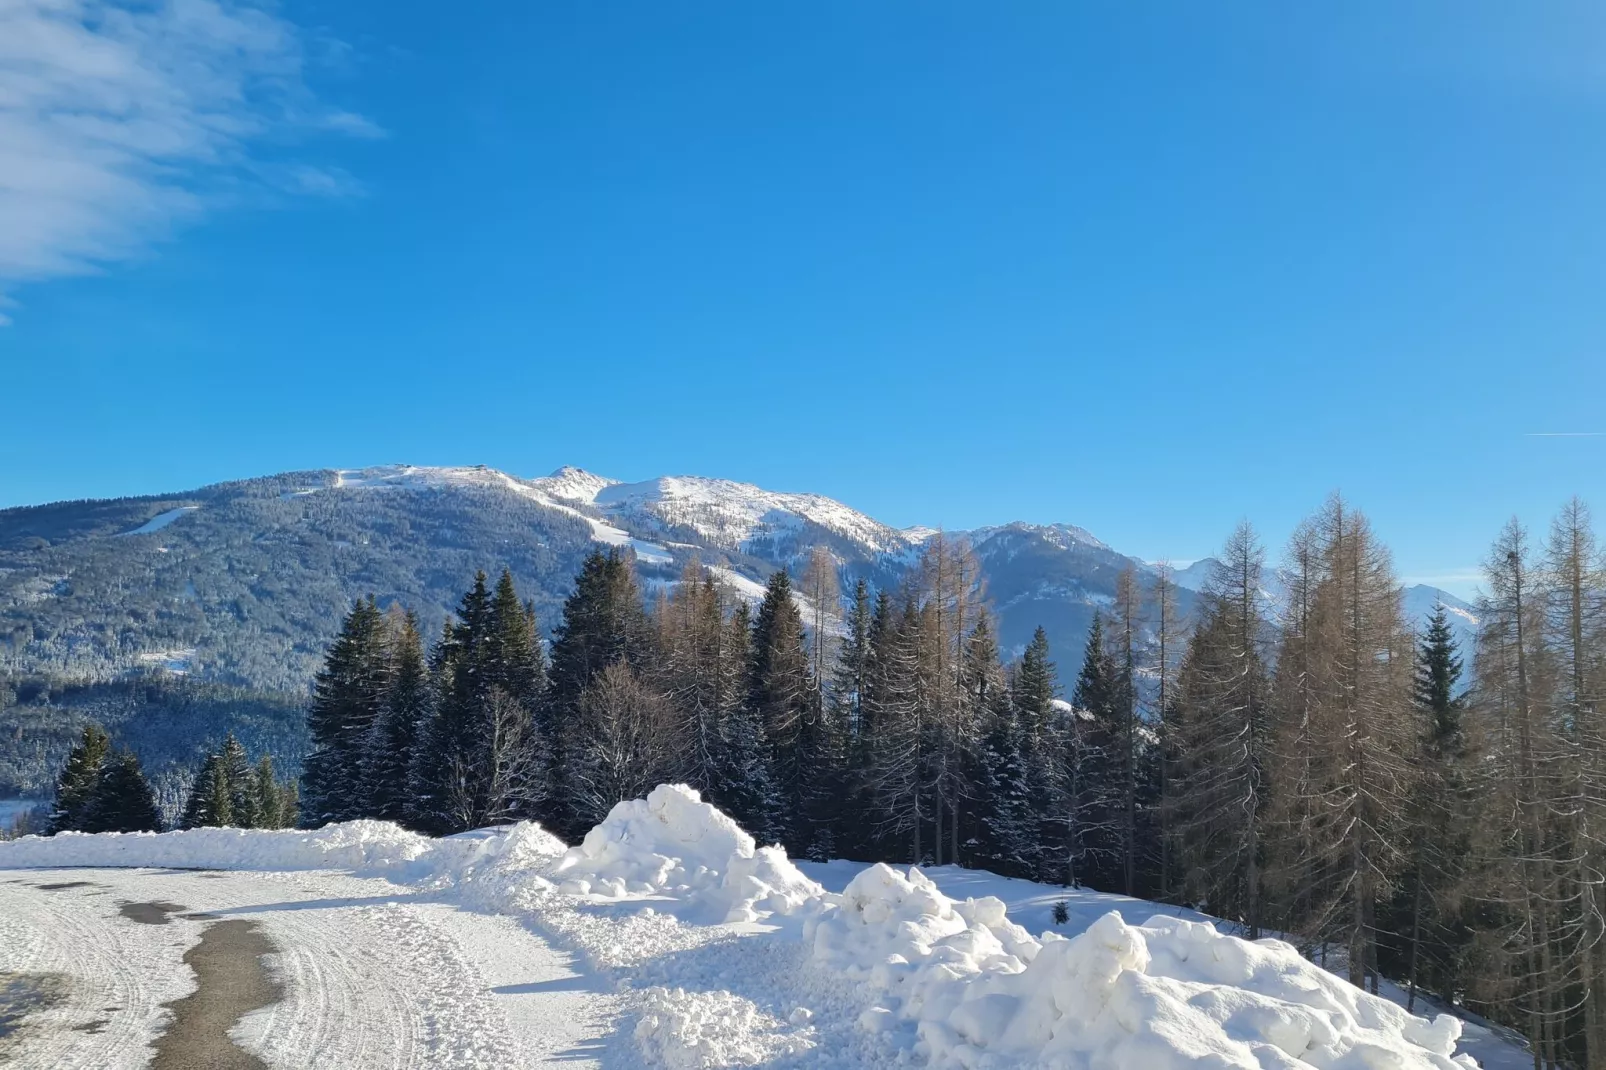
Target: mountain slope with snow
[(252, 576)]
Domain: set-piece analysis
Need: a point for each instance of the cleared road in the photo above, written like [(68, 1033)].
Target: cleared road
[(107, 968)]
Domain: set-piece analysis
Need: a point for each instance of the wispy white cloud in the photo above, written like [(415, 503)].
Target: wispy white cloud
[(120, 122)]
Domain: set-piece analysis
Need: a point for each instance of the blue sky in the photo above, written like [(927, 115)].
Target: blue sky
[(1144, 268)]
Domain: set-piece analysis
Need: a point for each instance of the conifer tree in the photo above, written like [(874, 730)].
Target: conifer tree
[(1345, 735), (228, 792), (1034, 689), (1429, 916), (483, 760), (1003, 837), (780, 693), (348, 695), (1167, 634), (851, 674), (241, 782), (122, 800), (1126, 759), (79, 776), (747, 791), (894, 744), (446, 775), (270, 798), (211, 801), (1574, 600), (516, 747), (693, 648), (1523, 861), (1088, 744), (393, 745), (952, 596), (604, 622)]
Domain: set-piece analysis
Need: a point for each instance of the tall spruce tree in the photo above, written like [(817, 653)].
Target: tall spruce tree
[(1429, 935), (272, 800), (1088, 744), (79, 777), (348, 695), (482, 759), (241, 780), (747, 790), (1001, 836), (122, 800), (895, 747), (1034, 689), (780, 693), (851, 674), (211, 800), (448, 776), (393, 744), (604, 622)]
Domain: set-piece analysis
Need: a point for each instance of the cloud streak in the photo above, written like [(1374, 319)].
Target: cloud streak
[(119, 124)]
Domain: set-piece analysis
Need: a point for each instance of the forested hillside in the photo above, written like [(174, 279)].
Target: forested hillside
[(172, 723), (1319, 772)]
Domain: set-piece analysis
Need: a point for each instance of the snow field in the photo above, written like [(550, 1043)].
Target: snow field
[(729, 955)]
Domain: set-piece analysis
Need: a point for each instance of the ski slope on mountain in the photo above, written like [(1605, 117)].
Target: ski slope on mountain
[(692, 947)]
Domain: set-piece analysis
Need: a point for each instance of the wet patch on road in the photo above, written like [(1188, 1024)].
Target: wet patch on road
[(156, 912), (233, 982)]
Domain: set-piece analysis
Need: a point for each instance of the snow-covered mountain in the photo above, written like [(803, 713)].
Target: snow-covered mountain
[(1419, 601), (724, 514), (249, 578)]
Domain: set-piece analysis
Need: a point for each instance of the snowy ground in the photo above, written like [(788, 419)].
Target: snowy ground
[(373, 975), (665, 939)]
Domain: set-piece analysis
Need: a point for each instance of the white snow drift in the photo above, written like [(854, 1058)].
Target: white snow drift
[(673, 844), (955, 982)]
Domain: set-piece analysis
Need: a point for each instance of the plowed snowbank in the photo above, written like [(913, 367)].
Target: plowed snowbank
[(363, 846)]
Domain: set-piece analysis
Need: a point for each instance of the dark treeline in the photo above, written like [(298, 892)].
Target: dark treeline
[(1313, 766), (101, 791)]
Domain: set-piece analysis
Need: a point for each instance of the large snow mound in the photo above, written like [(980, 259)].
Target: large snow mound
[(1171, 995), (674, 845)]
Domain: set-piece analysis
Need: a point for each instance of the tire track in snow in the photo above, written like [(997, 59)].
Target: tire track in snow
[(373, 975), (116, 975)]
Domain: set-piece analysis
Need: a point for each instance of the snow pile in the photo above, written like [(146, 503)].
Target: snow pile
[(496, 868), (691, 1030), (902, 935), (888, 968), (1172, 995), (360, 846), (673, 844)]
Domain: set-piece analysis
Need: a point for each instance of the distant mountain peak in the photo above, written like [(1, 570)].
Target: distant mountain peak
[(571, 484), (1064, 536), (732, 514)]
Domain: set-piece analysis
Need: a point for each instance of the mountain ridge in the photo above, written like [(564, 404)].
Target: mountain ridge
[(244, 581)]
